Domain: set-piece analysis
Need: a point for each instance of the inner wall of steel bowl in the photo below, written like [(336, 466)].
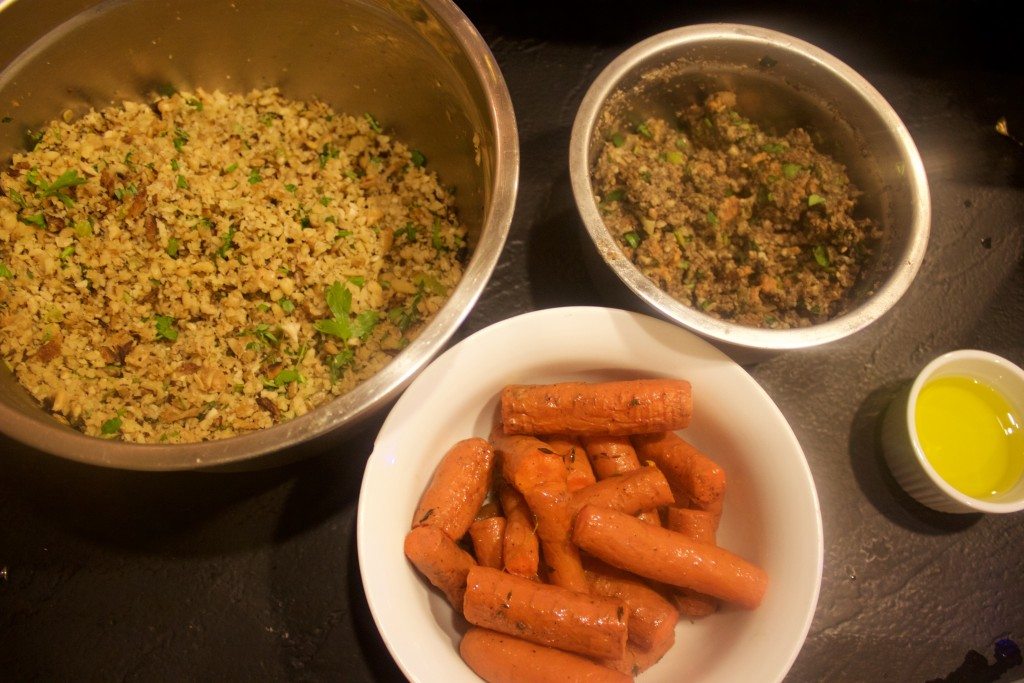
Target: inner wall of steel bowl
[(779, 92), (417, 65)]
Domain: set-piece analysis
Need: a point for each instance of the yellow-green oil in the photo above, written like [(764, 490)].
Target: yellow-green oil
[(971, 435)]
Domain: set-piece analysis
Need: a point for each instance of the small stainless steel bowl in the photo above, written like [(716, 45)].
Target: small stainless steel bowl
[(781, 83), (418, 65)]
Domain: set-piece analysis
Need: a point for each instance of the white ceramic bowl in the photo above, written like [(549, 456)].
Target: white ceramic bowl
[(771, 512), (902, 447)]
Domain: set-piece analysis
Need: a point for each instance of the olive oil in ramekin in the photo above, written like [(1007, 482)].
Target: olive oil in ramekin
[(971, 435)]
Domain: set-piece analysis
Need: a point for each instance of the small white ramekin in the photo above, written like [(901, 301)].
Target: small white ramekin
[(902, 448)]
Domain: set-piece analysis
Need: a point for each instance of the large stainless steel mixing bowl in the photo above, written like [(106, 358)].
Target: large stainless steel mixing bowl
[(781, 83), (419, 65)]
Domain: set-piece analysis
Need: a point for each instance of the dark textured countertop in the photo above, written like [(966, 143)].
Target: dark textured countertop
[(109, 575)]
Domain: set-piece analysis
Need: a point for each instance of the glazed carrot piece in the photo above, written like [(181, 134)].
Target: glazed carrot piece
[(604, 408), (610, 455), (689, 471), (701, 526), (499, 658), (631, 493), (577, 465), (539, 474), (614, 455), (546, 614), (441, 560), (637, 660), (652, 618), (520, 549), (488, 536), (457, 489), (667, 556)]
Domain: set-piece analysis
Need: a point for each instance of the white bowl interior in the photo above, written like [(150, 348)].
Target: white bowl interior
[(996, 372), (771, 512)]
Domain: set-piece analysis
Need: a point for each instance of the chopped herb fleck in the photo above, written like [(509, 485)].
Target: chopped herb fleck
[(417, 158), (632, 239), (172, 247), (165, 328), (111, 426), (374, 124), (815, 199)]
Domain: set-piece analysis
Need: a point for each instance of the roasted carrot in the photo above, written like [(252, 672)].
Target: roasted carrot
[(610, 455), (633, 492), (520, 549), (499, 658), (637, 660), (539, 474), (614, 455), (441, 560), (689, 471), (546, 614), (652, 618), (605, 408), (457, 489), (700, 525), (577, 465), (488, 535), (667, 556)]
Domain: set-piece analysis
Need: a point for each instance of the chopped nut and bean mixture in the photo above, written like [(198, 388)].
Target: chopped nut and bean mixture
[(746, 226), (208, 264)]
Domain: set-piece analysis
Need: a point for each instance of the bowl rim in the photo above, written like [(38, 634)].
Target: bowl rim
[(42, 432), (880, 302), (933, 368)]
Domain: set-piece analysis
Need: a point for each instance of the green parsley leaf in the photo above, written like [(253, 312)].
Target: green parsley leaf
[(180, 139), (615, 195), (791, 170), (17, 198), (5, 271), (435, 235), (195, 103), (374, 124), (642, 129), (821, 256), (339, 299), (286, 305), (165, 328), (255, 177), (172, 247), (227, 243), (336, 327), (618, 140), (675, 158), (815, 199), (357, 280), (417, 158), (111, 426), (328, 152), (181, 182), (230, 168), (290, 188), (338, 362), (632, 239), (712, 218), (37, 220), (287, 376)]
